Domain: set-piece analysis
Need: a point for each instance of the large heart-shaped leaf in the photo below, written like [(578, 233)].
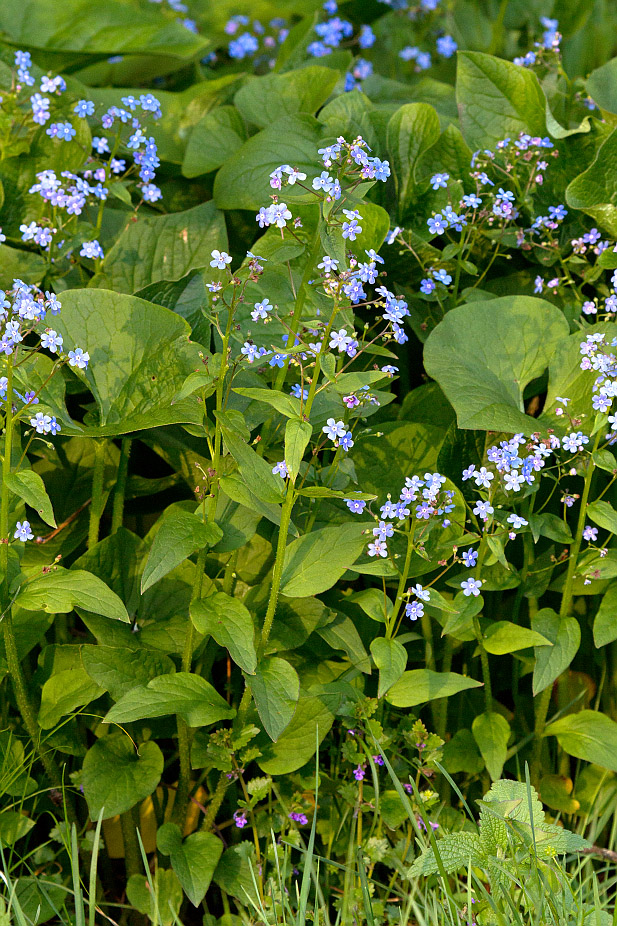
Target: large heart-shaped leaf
[(193, 860), (483, 354), (165, 247), (595, 190), (265, 100), (140, 355), (497, 98), (109, 28), (412, 130), (565, 635), (120, 669), (116, 776), (243, 181)]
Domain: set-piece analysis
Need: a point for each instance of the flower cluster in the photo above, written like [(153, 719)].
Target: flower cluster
[(253, 39), (24, 314)]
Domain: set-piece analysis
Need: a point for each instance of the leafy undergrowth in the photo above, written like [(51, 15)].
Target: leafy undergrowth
[(308, 576)]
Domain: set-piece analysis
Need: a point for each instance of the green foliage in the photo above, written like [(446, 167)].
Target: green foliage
[(316, 539)]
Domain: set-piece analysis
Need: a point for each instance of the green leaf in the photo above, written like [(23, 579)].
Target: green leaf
[(587, 735), (118, 560), (297, 435), (551, 526), (309, 725), (285, 404), (230, 624), (235, 873), (64, 589), (456, 851), (341, 633), (63, 693), (29, 486), (604, 515), (605, 623), (243, 182), (162, 247), (391, 659), (412, 130), (183, 693), (565, 635), (491, 732), (213, 140), (276, 689), (313, 563), (496, 99), (109, 29), (163, 904), (326, 492), (605, 460), (13, 825), (595, 190), (484, 354), (24, 265), (268, 99), (119, 669), (504, 637), (200, 381), (193, 859), (460, 754), (601, 86), (257, 474), (421, 685), (115, 776), (141, 356), (180, 534)]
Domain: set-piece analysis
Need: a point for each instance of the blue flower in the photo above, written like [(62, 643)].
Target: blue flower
[(355, 505), (62, 130), (367, 37), (346, 441), (471, 587), (79, 358), (470, 558), (439, 180), (446, 46), (471, 200), (437, 225), (91, 249), (442, 276), (23, 531), (84, 108), (334, 429)]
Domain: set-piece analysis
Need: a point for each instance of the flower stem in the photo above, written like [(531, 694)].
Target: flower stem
[(277, 572), (543, 700)]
